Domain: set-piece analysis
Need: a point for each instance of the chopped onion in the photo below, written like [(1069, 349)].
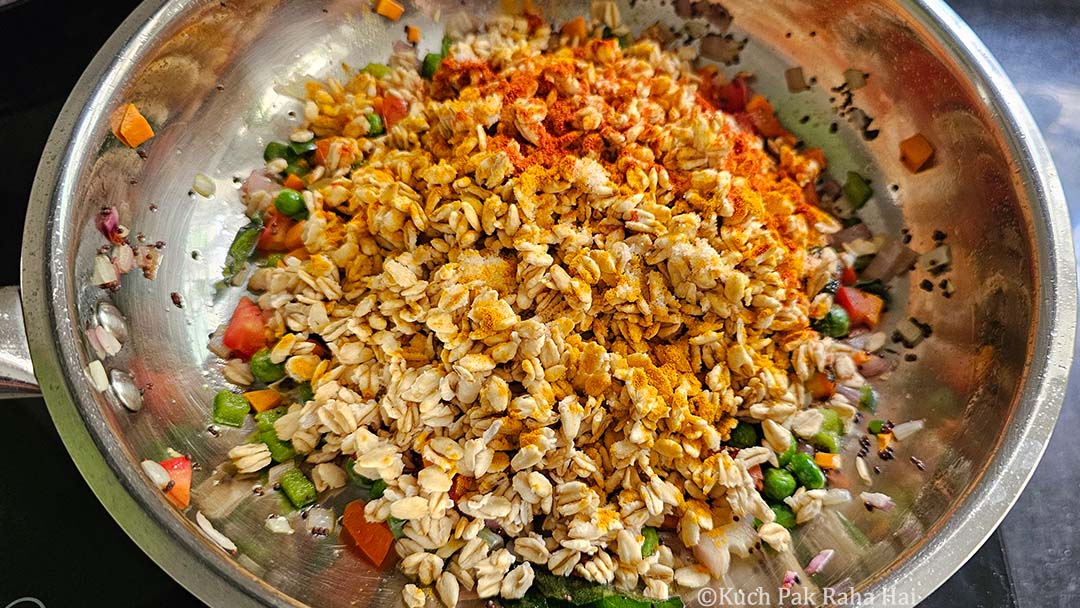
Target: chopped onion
[(877, 500), (96, 372), (851, 394), (893, 258), (790, 577), (855, 79), (257, 181), (875, 366), (278, 525), (105, 274), (220, 539), (217, 343), (836, 496), (796, 81), (203, 185), (724, 49), (851, 233), (123, 257), (320, 521), (819, 562), (221, 494), (906, 429), (108, 224), (712, 551), (108, 342), (157, 473), (863, 469)]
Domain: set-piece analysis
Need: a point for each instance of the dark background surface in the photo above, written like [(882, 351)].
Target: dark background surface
[(57, 543)]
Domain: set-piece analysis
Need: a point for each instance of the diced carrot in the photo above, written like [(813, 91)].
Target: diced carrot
[(389, 9), (266, 399), (372, 539), (860, 357), (575, 29), (915, 152), (884, 440), (821, 386), (299, 253), (322, 148), (826, 460), (412, 33), (130, 126), (764, 118), (294, 181), (294, 238)]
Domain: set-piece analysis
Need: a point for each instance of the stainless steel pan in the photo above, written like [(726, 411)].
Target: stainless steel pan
[(215, 78)]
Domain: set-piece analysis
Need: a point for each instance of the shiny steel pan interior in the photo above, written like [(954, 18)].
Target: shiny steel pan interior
[(216, 80)]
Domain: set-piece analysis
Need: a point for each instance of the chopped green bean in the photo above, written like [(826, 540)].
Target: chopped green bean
[(298, 488)]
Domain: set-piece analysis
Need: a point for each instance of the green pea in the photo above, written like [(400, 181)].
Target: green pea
[(778, 484), (785, 457), (806, 471), (784, 516), (744, 435), (375, 125), (830, 421), (651, 542), (377, 70), (868, 398), (876, 426), (827, 441), (273, 259), (277, 149), (291, 203), (264, 369), (430, 65), (834, 324)]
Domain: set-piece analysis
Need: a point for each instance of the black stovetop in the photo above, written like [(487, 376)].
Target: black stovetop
[(61, 547)]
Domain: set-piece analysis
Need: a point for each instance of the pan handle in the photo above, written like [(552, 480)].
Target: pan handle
[(16, 369)]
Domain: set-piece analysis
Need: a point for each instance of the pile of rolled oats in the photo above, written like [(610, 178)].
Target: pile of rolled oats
[(548, 294)]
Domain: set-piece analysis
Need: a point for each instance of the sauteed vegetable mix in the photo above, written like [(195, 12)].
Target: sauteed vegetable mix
[(581, 319)]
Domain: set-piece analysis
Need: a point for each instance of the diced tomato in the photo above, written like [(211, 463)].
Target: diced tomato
[(275, 227), (764, 119), (862, 308), (821, 386), (372, 539), (394, 109), (246, 332), (460, 486), (848, 276), (179, 490), (757, 476)]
